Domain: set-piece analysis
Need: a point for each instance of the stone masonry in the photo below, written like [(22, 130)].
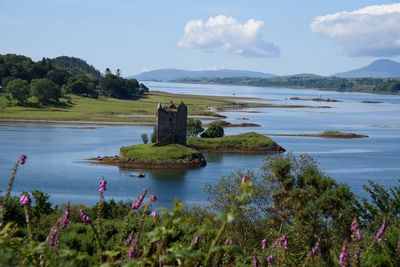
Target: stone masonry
[(171, 124)]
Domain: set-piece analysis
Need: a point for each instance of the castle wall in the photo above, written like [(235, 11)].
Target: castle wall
[(181, 124), (171, 125)]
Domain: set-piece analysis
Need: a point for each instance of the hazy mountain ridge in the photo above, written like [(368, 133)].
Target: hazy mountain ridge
[(165, 75), (381, 68)]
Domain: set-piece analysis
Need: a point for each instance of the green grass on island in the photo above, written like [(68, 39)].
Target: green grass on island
[(245, 142), (326, 134), (148, 152), (337, 134)]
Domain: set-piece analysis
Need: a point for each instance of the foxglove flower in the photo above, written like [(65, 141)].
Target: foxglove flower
[(255, 261), (85, 218), (102, 185), (196, 239), (264, 244), (52, 238), (285, 241), (271, 259), (65, 218), (315, 250), (139, 200), (355, 230), (22, 159), (343, 257), (381, 231), (24, 200), (153, 213), (153, 198), (133, 251)]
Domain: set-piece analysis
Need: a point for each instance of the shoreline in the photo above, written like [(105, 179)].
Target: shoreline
[(69, 122)]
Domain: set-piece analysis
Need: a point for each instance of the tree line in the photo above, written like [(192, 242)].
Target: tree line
[(23, 80), (373, 85)]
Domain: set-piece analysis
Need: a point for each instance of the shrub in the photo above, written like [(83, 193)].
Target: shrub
[(153, 138), (194, 127), (213, 131), (145, 138)]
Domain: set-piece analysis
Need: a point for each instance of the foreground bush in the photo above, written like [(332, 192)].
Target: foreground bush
[(291, 214)]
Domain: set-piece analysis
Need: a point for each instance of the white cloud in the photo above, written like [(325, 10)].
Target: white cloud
[(226, 34), (370, 31)]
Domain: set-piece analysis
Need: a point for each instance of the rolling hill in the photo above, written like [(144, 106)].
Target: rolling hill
[(381, 68)]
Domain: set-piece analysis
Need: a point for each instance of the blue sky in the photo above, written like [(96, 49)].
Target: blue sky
[(280, 37)]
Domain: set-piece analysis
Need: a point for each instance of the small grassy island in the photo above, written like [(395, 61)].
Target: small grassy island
[(327, 134), (241, 143), (150, 156)]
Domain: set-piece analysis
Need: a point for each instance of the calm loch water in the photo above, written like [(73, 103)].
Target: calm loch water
[(56, 153)]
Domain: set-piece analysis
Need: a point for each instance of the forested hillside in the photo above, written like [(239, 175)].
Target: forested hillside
[(24, 81)]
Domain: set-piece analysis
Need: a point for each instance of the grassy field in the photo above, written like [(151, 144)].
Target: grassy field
[(76, 108), (153, 153), (240, 141)]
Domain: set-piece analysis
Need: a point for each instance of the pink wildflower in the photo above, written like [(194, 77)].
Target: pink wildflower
[(255, 261), (52, 238), (285, 241), (271, 259), (22, 159), (315, 250), (24, 200), (264, 244), (102, 185), (133, 251), (65, 218), (153, 213), (85, 218), (355, 229), (343, 256), (381, 231), (153, 198), (196, 239), (139, 200)]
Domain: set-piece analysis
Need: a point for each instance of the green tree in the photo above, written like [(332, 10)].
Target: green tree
[(42, 203), (194, 127), (44, 90), (82, 84), (18, 89), (319, 209), (213, 131)]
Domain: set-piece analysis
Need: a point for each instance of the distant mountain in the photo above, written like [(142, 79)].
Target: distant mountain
[(382, 68), (75, 65), (165, 75)]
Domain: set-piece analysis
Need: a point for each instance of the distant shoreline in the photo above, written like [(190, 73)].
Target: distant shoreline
[(106, 123), (325, 135)]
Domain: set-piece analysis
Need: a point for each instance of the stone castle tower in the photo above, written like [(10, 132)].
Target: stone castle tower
[(171, 124)]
